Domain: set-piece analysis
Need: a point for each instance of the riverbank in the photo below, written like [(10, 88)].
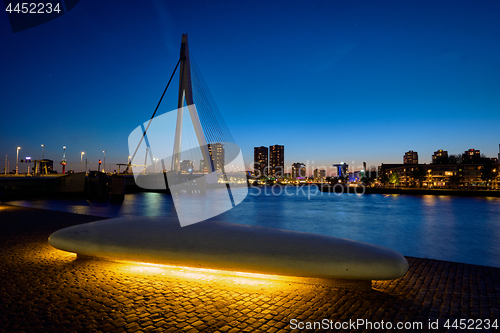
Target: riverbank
[(44, 289)]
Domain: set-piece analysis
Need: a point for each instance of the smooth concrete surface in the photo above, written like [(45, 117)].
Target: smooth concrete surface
[(233, 247)]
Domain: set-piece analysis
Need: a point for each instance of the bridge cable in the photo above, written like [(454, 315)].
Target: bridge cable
[(211, 117), (204, 107), (159, 102)]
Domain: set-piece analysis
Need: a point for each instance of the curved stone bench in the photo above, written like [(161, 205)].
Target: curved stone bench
[(232, 247)]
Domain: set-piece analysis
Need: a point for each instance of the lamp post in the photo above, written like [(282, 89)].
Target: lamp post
[(43, 152), (81, 160), (17, 160), (104, 161), (63, 162)]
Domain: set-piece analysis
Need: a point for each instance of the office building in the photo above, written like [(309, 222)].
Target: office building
[(471, 156), (217, 153), (410, 157), (276, 161), (440, 157), (260, 161), (203, 166), (298, 171), (319, 175), (186, 166)]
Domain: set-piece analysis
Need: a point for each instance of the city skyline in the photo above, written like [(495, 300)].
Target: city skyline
[(348, 82), (250, 164), (409, 158)]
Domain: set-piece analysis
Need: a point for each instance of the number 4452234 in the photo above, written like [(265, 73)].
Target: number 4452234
[(33, 8), (477, 324)]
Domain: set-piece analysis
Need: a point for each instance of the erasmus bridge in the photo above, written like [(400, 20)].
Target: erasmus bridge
[(214, 244), (210, 129), (189, 151)]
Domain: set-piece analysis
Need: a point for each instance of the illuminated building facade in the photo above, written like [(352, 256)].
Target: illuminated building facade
[(203, 166), (186, 166), (260, 161), (440, 157), (217, 153), (298, 171), (439, 175), (319, 175), (277, 161), (471, 156), (410, 157), (341, 170)]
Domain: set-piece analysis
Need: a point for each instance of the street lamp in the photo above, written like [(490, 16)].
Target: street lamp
[(43, 152), (63, 162), (81, 160), (17, 160), (104, 161)]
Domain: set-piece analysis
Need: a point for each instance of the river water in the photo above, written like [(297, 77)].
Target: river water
[(459, 229)]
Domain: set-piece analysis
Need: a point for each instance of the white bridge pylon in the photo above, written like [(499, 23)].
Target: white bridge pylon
[(186, 95), (199, 195)]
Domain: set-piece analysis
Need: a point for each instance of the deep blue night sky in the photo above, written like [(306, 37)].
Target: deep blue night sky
[(332, 81)]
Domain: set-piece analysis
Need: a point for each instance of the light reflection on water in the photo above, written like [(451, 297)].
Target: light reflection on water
[(449, 228)]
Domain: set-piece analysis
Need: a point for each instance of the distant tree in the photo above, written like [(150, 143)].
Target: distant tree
[(441, 160), (366, 181), (394, 179), (384, 179), (485, 159), (455, 159), (334, 180), (455, 180), (369, 178), (419, 175), (487, 173)]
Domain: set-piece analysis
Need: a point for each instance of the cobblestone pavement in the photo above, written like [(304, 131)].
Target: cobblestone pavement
[(47, 290)]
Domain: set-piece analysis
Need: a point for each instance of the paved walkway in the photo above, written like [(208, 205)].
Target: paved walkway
[(47, 290)]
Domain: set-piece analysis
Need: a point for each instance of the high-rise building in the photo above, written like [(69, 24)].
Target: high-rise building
[(440, 157), (186, 166), (217, 153), (276, 161), (203, 166), (319, 175), (298, 170), (341, 169), (410, 157), (260, 161), (471, 156), (499, 152)]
